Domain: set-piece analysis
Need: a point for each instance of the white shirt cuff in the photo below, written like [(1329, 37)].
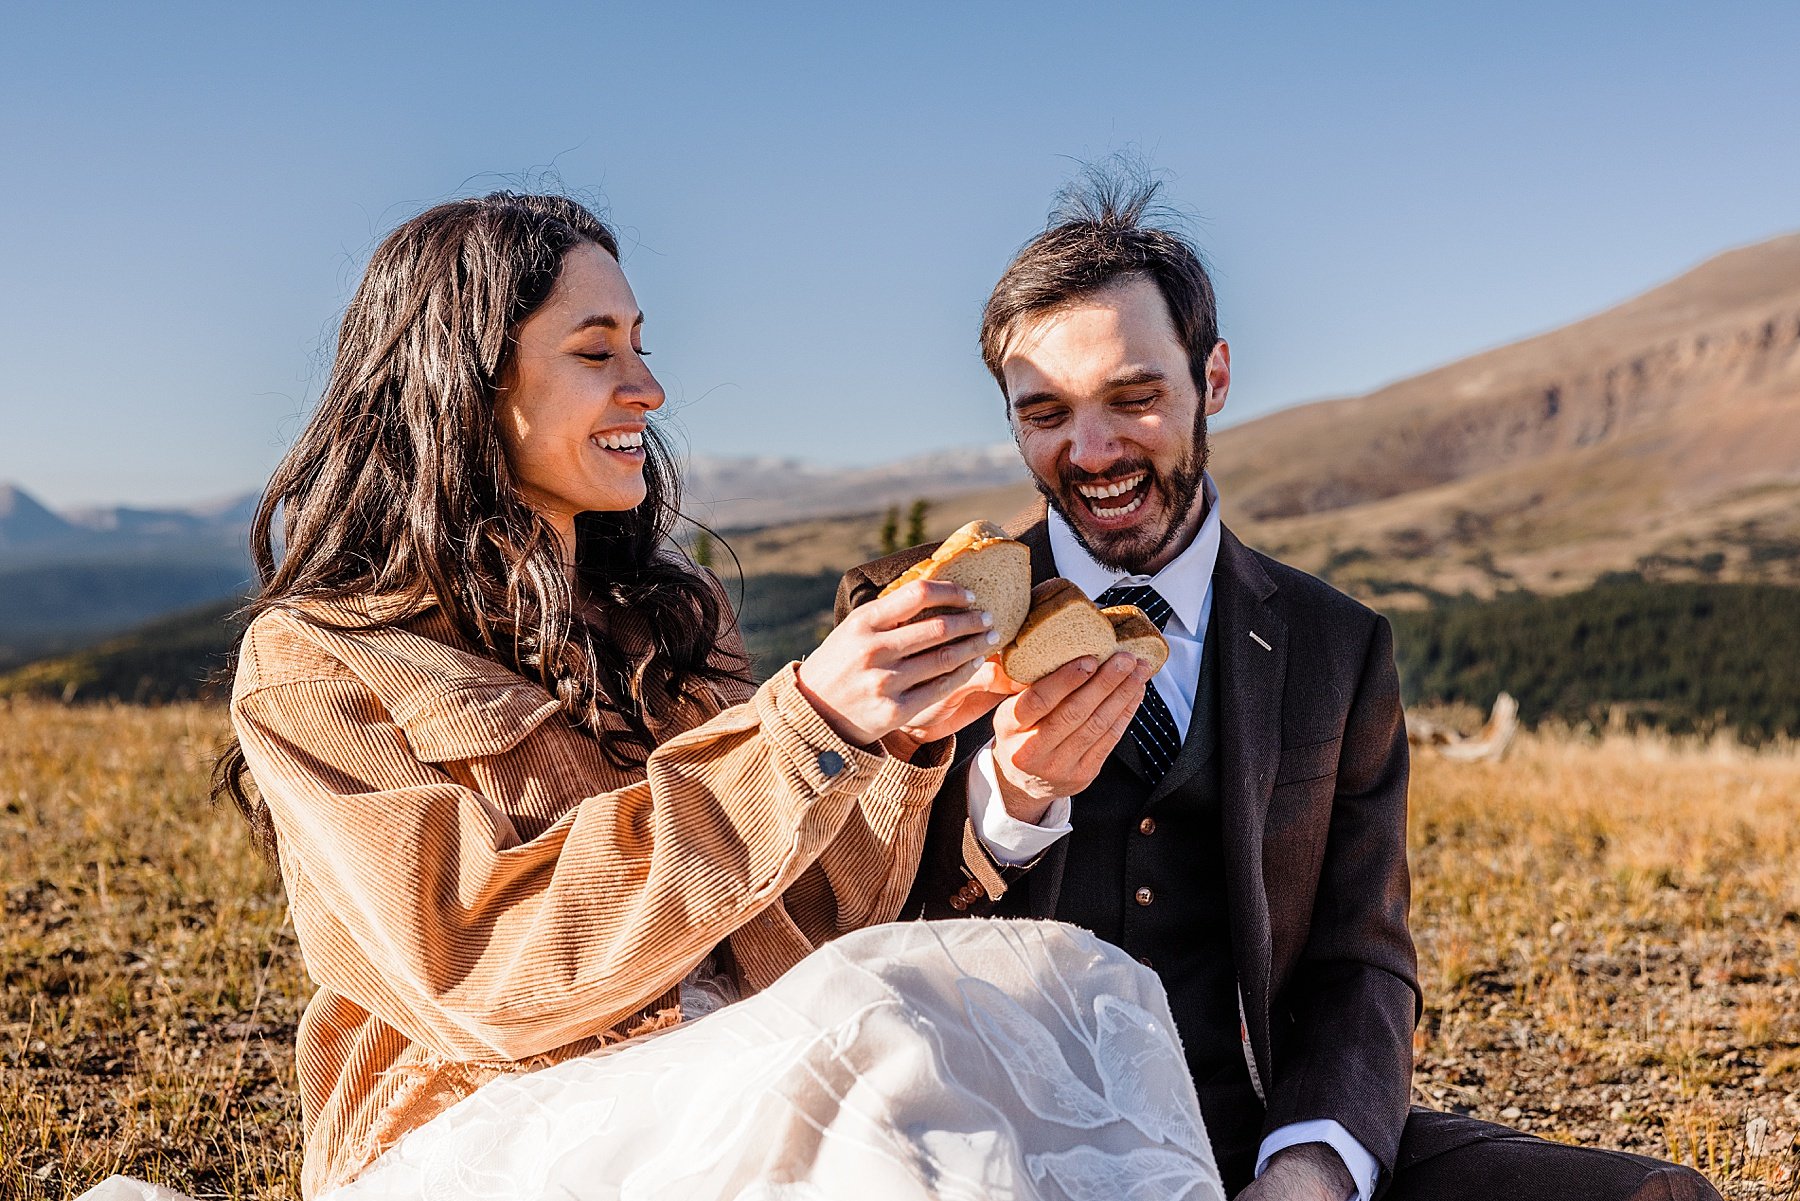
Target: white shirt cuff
[(1362, 1165), (1009, 840)]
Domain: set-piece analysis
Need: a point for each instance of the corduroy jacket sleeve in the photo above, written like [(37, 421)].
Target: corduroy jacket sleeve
[(415, 897), (862, 875)]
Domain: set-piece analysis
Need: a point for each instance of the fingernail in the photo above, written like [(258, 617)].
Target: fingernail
[(1089, 667), (1142, 671), (968, 597), (993, 637), (987, 619)]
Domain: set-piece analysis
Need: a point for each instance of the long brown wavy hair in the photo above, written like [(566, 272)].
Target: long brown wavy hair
[(399, 487)]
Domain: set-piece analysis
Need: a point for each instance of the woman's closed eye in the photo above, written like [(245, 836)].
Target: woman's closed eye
[(601, 356)]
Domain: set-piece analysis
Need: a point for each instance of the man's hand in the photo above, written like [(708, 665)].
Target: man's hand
[(1052, 739), (1306, 1172)]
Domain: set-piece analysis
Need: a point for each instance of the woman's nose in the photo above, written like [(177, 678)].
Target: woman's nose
[(641, 388)]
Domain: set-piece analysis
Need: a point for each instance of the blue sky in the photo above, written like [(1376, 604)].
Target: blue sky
[(816, 198)]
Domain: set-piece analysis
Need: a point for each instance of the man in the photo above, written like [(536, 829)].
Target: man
[(1243, 829)]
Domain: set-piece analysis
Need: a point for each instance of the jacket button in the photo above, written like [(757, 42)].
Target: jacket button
[(830, 763), (1145, 960), (1147, 826), (1145, 896)]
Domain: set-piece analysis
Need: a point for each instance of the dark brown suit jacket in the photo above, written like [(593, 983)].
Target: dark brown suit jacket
[(1313, 762)]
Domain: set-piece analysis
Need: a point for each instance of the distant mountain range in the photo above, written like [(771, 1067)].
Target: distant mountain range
[(32, 533), (1661, 438), (748, 493), (67, 579)]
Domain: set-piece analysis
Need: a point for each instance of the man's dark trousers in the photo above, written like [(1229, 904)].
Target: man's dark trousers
[(1284, 814)]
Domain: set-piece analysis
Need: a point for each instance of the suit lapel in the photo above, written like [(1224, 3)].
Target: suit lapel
[(1252, 675), (1200, 741)]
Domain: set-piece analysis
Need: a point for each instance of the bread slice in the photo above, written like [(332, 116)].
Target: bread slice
[(1063, 626), (1138, 634), (981, 558)]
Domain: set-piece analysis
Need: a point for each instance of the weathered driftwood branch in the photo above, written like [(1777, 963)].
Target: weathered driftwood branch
[(1490, 743)]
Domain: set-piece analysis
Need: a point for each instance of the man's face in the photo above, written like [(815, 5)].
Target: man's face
[(1110, 423)]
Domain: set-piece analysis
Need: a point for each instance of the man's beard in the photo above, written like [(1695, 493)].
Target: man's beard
[(1132, 550)]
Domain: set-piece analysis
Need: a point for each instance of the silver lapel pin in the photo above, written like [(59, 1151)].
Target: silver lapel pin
[(1258, 639)]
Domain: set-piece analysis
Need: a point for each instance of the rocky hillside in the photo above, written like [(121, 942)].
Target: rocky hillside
[(1661, 436)]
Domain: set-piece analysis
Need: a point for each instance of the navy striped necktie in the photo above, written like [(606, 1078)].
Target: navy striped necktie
[(1152, 726)]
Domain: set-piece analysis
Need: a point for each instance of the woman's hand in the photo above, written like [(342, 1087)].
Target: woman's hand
[(986, 688), (885, 666)]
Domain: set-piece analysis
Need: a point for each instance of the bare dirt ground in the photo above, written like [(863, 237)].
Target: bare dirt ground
[(1609, 935)]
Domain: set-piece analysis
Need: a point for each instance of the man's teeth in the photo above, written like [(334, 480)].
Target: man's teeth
[(1097, 492), (1121, 511), (620, 441)]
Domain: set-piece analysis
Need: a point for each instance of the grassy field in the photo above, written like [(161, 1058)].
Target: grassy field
[(1610, 937)]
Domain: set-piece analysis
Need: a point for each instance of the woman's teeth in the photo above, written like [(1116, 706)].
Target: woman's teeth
[(634, 441)]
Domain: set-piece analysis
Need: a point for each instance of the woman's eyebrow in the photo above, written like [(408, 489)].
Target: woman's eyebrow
[(604, 321)]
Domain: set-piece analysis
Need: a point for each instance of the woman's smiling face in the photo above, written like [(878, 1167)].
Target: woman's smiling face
[(577, 395)]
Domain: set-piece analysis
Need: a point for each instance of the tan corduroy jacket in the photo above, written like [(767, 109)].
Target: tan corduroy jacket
[(476, 889)]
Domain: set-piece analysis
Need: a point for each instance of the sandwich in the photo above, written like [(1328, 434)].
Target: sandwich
[(981, 558), (1040, 628), (1064, 625), (1138, 634)]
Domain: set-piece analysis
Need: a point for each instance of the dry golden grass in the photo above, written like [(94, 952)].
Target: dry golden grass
[(1609, 942), (1609, 935), (151, 985)]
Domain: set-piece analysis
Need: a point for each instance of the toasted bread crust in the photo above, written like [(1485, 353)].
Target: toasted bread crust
[(981, 558), (1040, 648), (1138, 634), (976, 535)]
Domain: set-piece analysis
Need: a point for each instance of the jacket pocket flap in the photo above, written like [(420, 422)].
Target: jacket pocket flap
[(477, 721), (1309, 762)]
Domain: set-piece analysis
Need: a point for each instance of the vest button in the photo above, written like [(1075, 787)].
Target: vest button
[(1145, 960), (1145, 896), (1147, 826)]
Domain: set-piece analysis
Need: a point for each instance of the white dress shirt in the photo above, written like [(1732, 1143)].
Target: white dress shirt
[(1186, 584)]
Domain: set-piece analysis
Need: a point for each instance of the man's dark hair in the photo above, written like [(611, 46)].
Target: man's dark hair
[(1104, 227)]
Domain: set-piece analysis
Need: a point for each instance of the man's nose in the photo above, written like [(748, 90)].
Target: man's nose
[(1093, 447)]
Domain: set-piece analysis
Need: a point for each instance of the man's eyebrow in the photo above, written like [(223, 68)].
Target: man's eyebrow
[(1132, 379), (1032, 398), (604, 321)]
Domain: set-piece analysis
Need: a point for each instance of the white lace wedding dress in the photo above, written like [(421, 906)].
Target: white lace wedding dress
[(963, 1061)]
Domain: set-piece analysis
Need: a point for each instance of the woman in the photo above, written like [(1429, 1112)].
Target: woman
[(529, 811)]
